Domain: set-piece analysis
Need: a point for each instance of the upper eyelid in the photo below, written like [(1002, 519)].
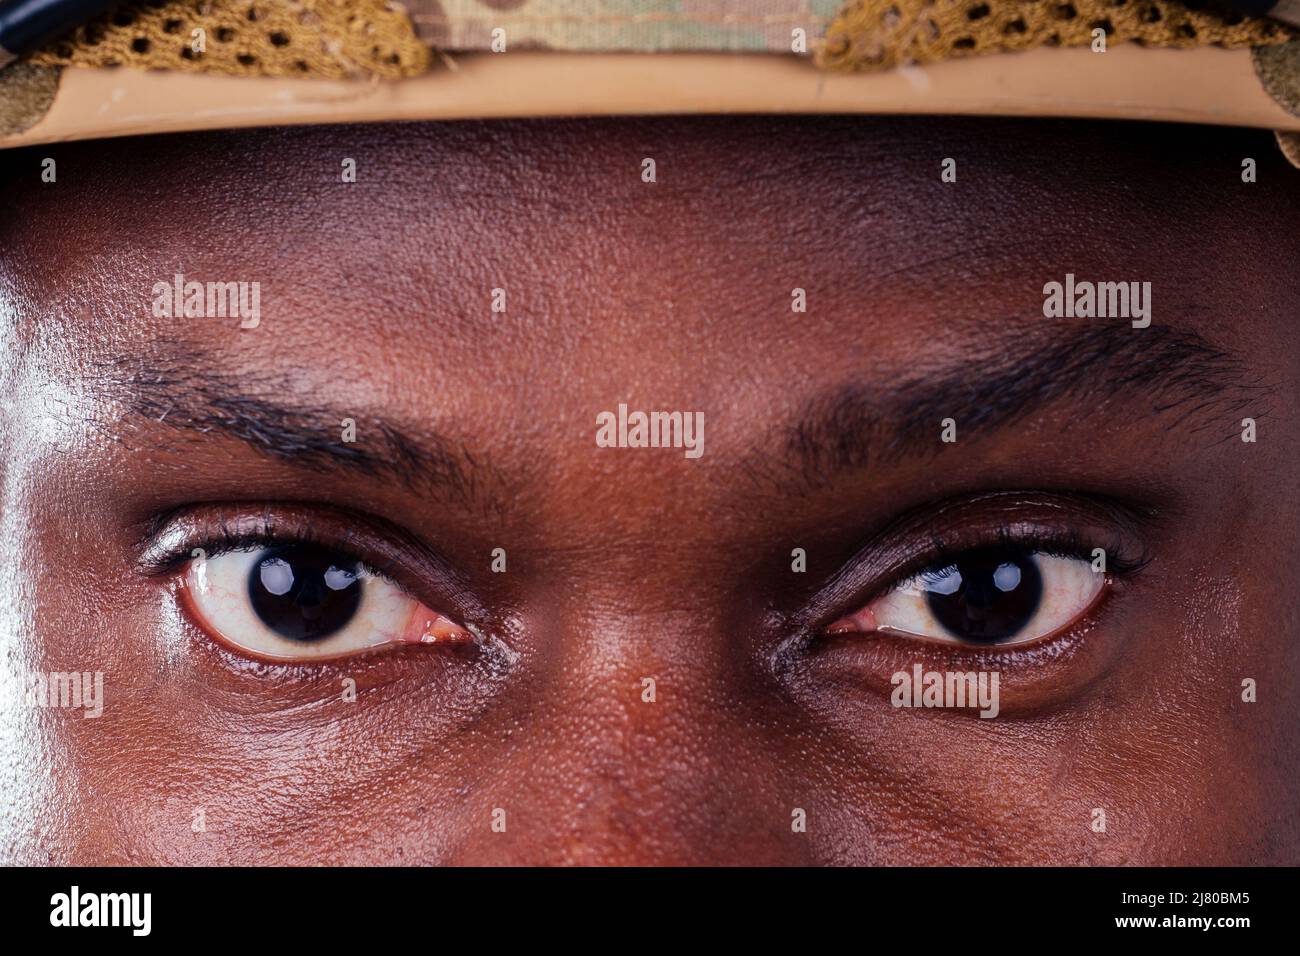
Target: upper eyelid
[(162, 558), (164, 553), (944, 559), (254, 543), (169, 539), (1068, 545)]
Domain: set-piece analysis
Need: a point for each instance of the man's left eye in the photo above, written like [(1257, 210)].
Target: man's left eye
[(985, 596)]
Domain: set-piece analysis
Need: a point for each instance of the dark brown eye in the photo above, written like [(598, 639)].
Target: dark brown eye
[(984, 596), (304, 593), (301, 602)]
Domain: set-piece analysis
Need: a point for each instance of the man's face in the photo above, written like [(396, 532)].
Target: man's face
[(483, 625)]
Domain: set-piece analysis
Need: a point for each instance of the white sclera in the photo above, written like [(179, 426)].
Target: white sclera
[(219, 587), (1069, 587)]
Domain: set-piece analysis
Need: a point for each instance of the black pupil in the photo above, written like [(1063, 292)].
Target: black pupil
[(304, 593), (986, 595)]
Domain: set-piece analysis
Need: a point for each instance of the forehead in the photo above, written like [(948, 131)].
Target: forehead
[(614, 274)]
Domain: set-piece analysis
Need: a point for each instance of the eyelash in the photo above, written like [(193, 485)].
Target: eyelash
[(224, 541), (215, 537), (1121, 562)]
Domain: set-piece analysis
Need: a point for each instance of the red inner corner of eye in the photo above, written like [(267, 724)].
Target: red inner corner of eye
[(424, 626), (859, 622)]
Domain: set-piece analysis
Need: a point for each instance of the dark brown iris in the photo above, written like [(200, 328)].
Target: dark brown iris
[(985, 595), (303, 592)]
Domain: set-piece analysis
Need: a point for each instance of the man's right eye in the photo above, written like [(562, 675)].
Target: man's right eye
[(303, 602)]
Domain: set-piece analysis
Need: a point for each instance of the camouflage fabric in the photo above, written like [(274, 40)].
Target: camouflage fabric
[(641, 25)]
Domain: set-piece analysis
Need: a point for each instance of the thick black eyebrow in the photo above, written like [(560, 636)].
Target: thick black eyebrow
[(1178, 372), (188, 392)]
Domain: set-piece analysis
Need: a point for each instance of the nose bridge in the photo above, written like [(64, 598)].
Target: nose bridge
[(629, 680), (634, 731), (631, 742)]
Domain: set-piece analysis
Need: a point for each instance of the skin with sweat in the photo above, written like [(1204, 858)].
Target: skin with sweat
[(651, 679)]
